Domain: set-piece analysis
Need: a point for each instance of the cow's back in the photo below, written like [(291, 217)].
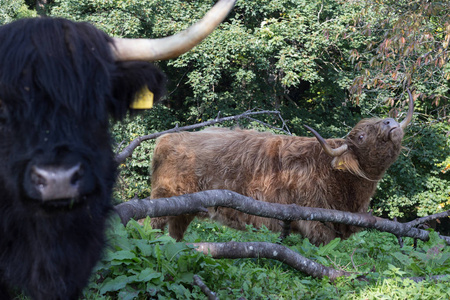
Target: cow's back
[(215, 158), (261, 165)]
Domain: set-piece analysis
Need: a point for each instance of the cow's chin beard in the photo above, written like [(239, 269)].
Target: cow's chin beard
[(59, 205), (64, 203)]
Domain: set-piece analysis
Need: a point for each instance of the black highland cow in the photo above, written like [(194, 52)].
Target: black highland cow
[(60, 82)]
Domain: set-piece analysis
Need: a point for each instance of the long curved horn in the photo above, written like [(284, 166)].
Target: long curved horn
[(409, 116), (175, 45), (327, 148)]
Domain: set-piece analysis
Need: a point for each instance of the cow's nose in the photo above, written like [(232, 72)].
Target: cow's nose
[(56, 182)]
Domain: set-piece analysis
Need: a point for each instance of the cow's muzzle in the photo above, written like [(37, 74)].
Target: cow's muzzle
[(57, 184), (392, 130)]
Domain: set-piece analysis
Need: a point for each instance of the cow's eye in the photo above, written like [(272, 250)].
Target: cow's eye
[(361, 137)]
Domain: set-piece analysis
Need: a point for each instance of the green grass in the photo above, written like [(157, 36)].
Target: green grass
[(140, 263)]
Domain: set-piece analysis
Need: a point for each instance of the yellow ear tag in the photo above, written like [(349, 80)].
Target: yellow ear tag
[(143, 100), (341, 166)]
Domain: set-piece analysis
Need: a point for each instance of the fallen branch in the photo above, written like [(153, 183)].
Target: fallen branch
[(197, 202), (281, 253), (128, 150), (235, 250), (210, 294), (435, 278)]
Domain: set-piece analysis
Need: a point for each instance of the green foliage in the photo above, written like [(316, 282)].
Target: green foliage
[(417, 183), (408, 45), (134, 174), (141, 264), (116, 17), (14, 9), (263, 57)]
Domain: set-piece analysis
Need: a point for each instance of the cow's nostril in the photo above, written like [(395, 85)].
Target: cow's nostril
[(36, 179), (77, 176)]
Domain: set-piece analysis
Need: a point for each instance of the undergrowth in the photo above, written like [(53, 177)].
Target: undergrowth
[(140, 263)]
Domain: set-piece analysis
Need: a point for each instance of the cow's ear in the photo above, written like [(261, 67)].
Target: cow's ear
[(347, 162), (135, 85)]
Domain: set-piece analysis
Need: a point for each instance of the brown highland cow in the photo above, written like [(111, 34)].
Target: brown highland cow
[(337, 174)]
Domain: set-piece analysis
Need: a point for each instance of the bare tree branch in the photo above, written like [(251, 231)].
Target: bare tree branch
[(210, 294), (419, 221), (128, 150), (281, 253), (197, 202)]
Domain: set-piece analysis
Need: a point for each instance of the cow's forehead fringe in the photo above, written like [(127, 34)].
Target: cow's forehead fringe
[(366, 125), (57, 61), (368, 122)]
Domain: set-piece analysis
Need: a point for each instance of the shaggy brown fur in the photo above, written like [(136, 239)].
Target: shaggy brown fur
[(275, 168)]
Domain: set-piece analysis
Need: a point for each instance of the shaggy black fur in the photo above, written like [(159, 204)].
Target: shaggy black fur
[(59, 85)]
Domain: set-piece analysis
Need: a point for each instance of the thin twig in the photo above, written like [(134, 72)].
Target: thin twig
[(285, 127), (264, 123), (351, 259)]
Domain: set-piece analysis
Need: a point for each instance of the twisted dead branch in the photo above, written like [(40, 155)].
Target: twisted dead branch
[(128, 150)]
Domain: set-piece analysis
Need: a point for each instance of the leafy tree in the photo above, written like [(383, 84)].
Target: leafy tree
[(14, 9), (270, 54), (409, 46), (322, 63)]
